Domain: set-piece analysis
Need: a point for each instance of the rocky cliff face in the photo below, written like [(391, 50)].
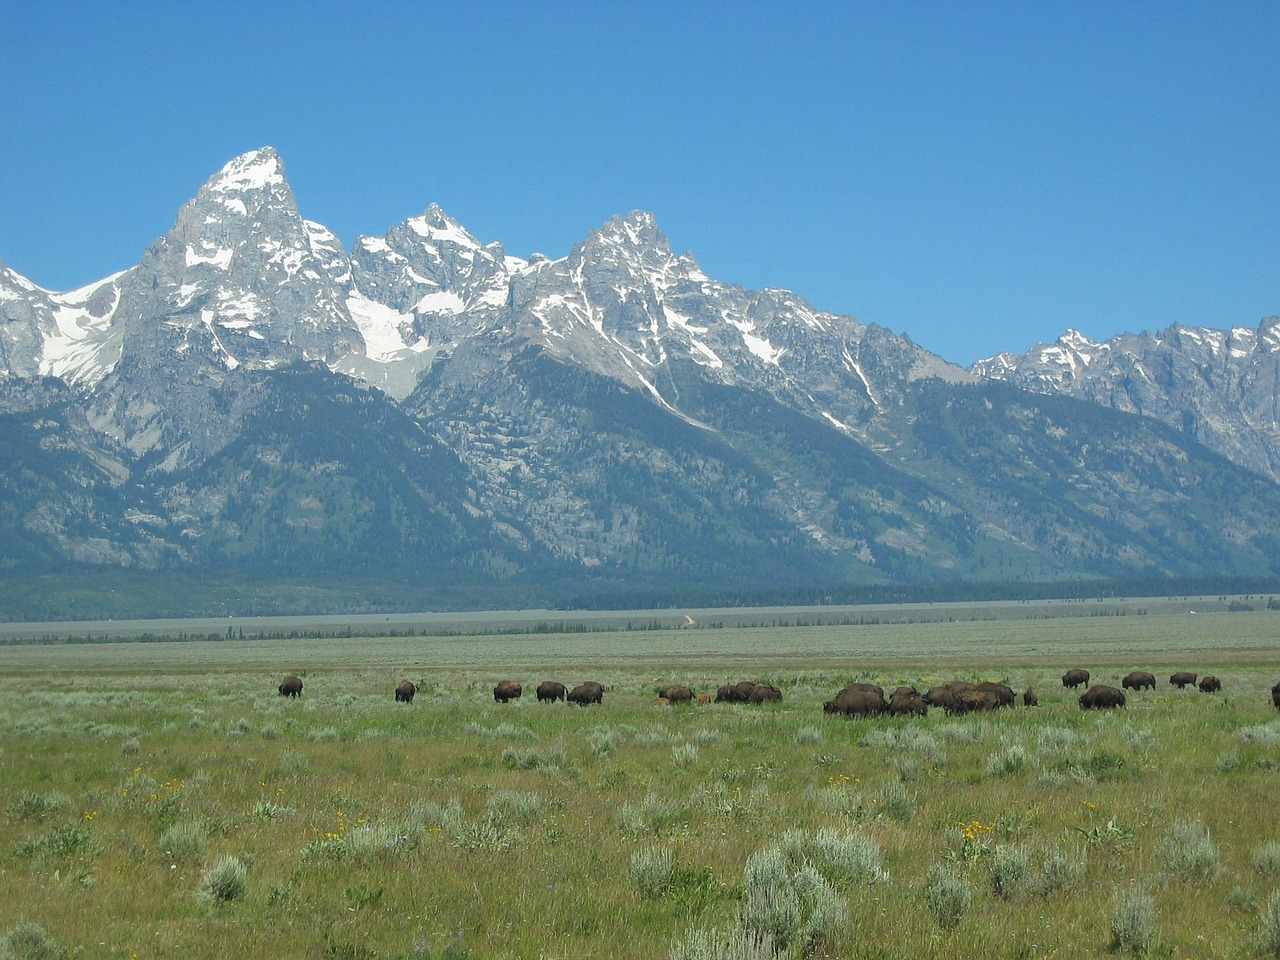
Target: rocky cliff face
[(1221, 387), (252, 397)]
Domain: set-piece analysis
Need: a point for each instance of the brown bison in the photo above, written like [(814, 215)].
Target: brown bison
[(704, 699), (291, 687), (857, 700), (586, 693), (735, 692), (1029, 697), (550, 690), (1003, 692), (405, 691), (973, 701), (1138, 680), (1182, 680), (1101, 697), (1073, 678), (906, 701), (1210, 685), (1275, 695), (676, 693), (507, 690), (764, 693)]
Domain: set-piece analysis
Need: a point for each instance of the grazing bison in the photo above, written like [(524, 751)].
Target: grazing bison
[(1138, 679), (1003, 692), (507, 690), (585, 693), (1210, 685), (1029, 697), (1275, 695), (973, 701), (550, 690), (1101, 697), (676, 693), (405, 691), (764, 693), (1181, 680), (906, 701), (291, 687), (857, 700), (1073, 678)]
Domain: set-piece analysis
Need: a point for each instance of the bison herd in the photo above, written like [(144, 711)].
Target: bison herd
[(855, 699)]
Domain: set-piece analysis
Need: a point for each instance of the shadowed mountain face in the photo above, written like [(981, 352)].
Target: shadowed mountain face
[(250, 400)]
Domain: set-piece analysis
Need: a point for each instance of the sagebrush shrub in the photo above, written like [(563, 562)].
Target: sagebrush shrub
[(224, 881), (732, 944), (1266, 858), (790, 909), (1190, 852), (1268, 943), (651, 871), (946, 895), (1133, 921), (30, 941), (1009, 865), (184, 842)]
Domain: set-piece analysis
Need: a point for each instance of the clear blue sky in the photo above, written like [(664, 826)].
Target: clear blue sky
[(980, 176)]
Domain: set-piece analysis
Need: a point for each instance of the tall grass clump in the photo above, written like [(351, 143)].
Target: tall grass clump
[(1010, 760), (735, 943), (838, 855), (684, 755), (1133, 921), (788, 908), (29, 805), (224, 882), (946, 895), (1266, 858), (895, 801), (184, 842), (651, 871), (1010, 863), (1189, 851), (1268, 943), (30, 941)]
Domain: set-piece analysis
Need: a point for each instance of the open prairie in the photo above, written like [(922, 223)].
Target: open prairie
[(162, 799)]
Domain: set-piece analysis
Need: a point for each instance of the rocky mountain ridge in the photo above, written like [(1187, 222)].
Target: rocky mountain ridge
[(252, 397)]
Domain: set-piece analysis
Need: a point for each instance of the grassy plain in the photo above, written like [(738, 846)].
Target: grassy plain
[(161, 800)]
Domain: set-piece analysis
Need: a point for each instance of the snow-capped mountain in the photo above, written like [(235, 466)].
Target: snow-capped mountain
[(253, 397), (1220, 386)]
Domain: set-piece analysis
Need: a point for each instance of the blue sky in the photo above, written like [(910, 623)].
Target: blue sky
[(979, 176)]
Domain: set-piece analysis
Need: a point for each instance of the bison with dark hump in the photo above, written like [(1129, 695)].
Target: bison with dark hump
[(507, 690), (291, 687), (1029, 697), (550, 690), (1275, 695), (764, 693), (906, 701), (676, 693), (1138, 680), (1183, 679), (1210, 684), (405, 691), (1101, 697), (974, 701), (586, 693), (1002, 691), (857, 700), (1073, 678)]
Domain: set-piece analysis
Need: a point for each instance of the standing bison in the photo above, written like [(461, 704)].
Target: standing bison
[(507, 690), (586, 693), (764, 693), (550, 690), (906, 701), (1210, 685), (857, 700), (676, 693), (405, 691), (1138, 680), (1101, 697), (1275, 695), (1073, 678), (1182, 680), (291, 687), (1029, 697)]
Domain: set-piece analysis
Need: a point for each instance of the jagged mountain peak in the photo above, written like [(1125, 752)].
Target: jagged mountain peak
[(255, 170)]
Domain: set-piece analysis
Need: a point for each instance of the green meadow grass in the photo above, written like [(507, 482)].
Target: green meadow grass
[(161, 800)]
